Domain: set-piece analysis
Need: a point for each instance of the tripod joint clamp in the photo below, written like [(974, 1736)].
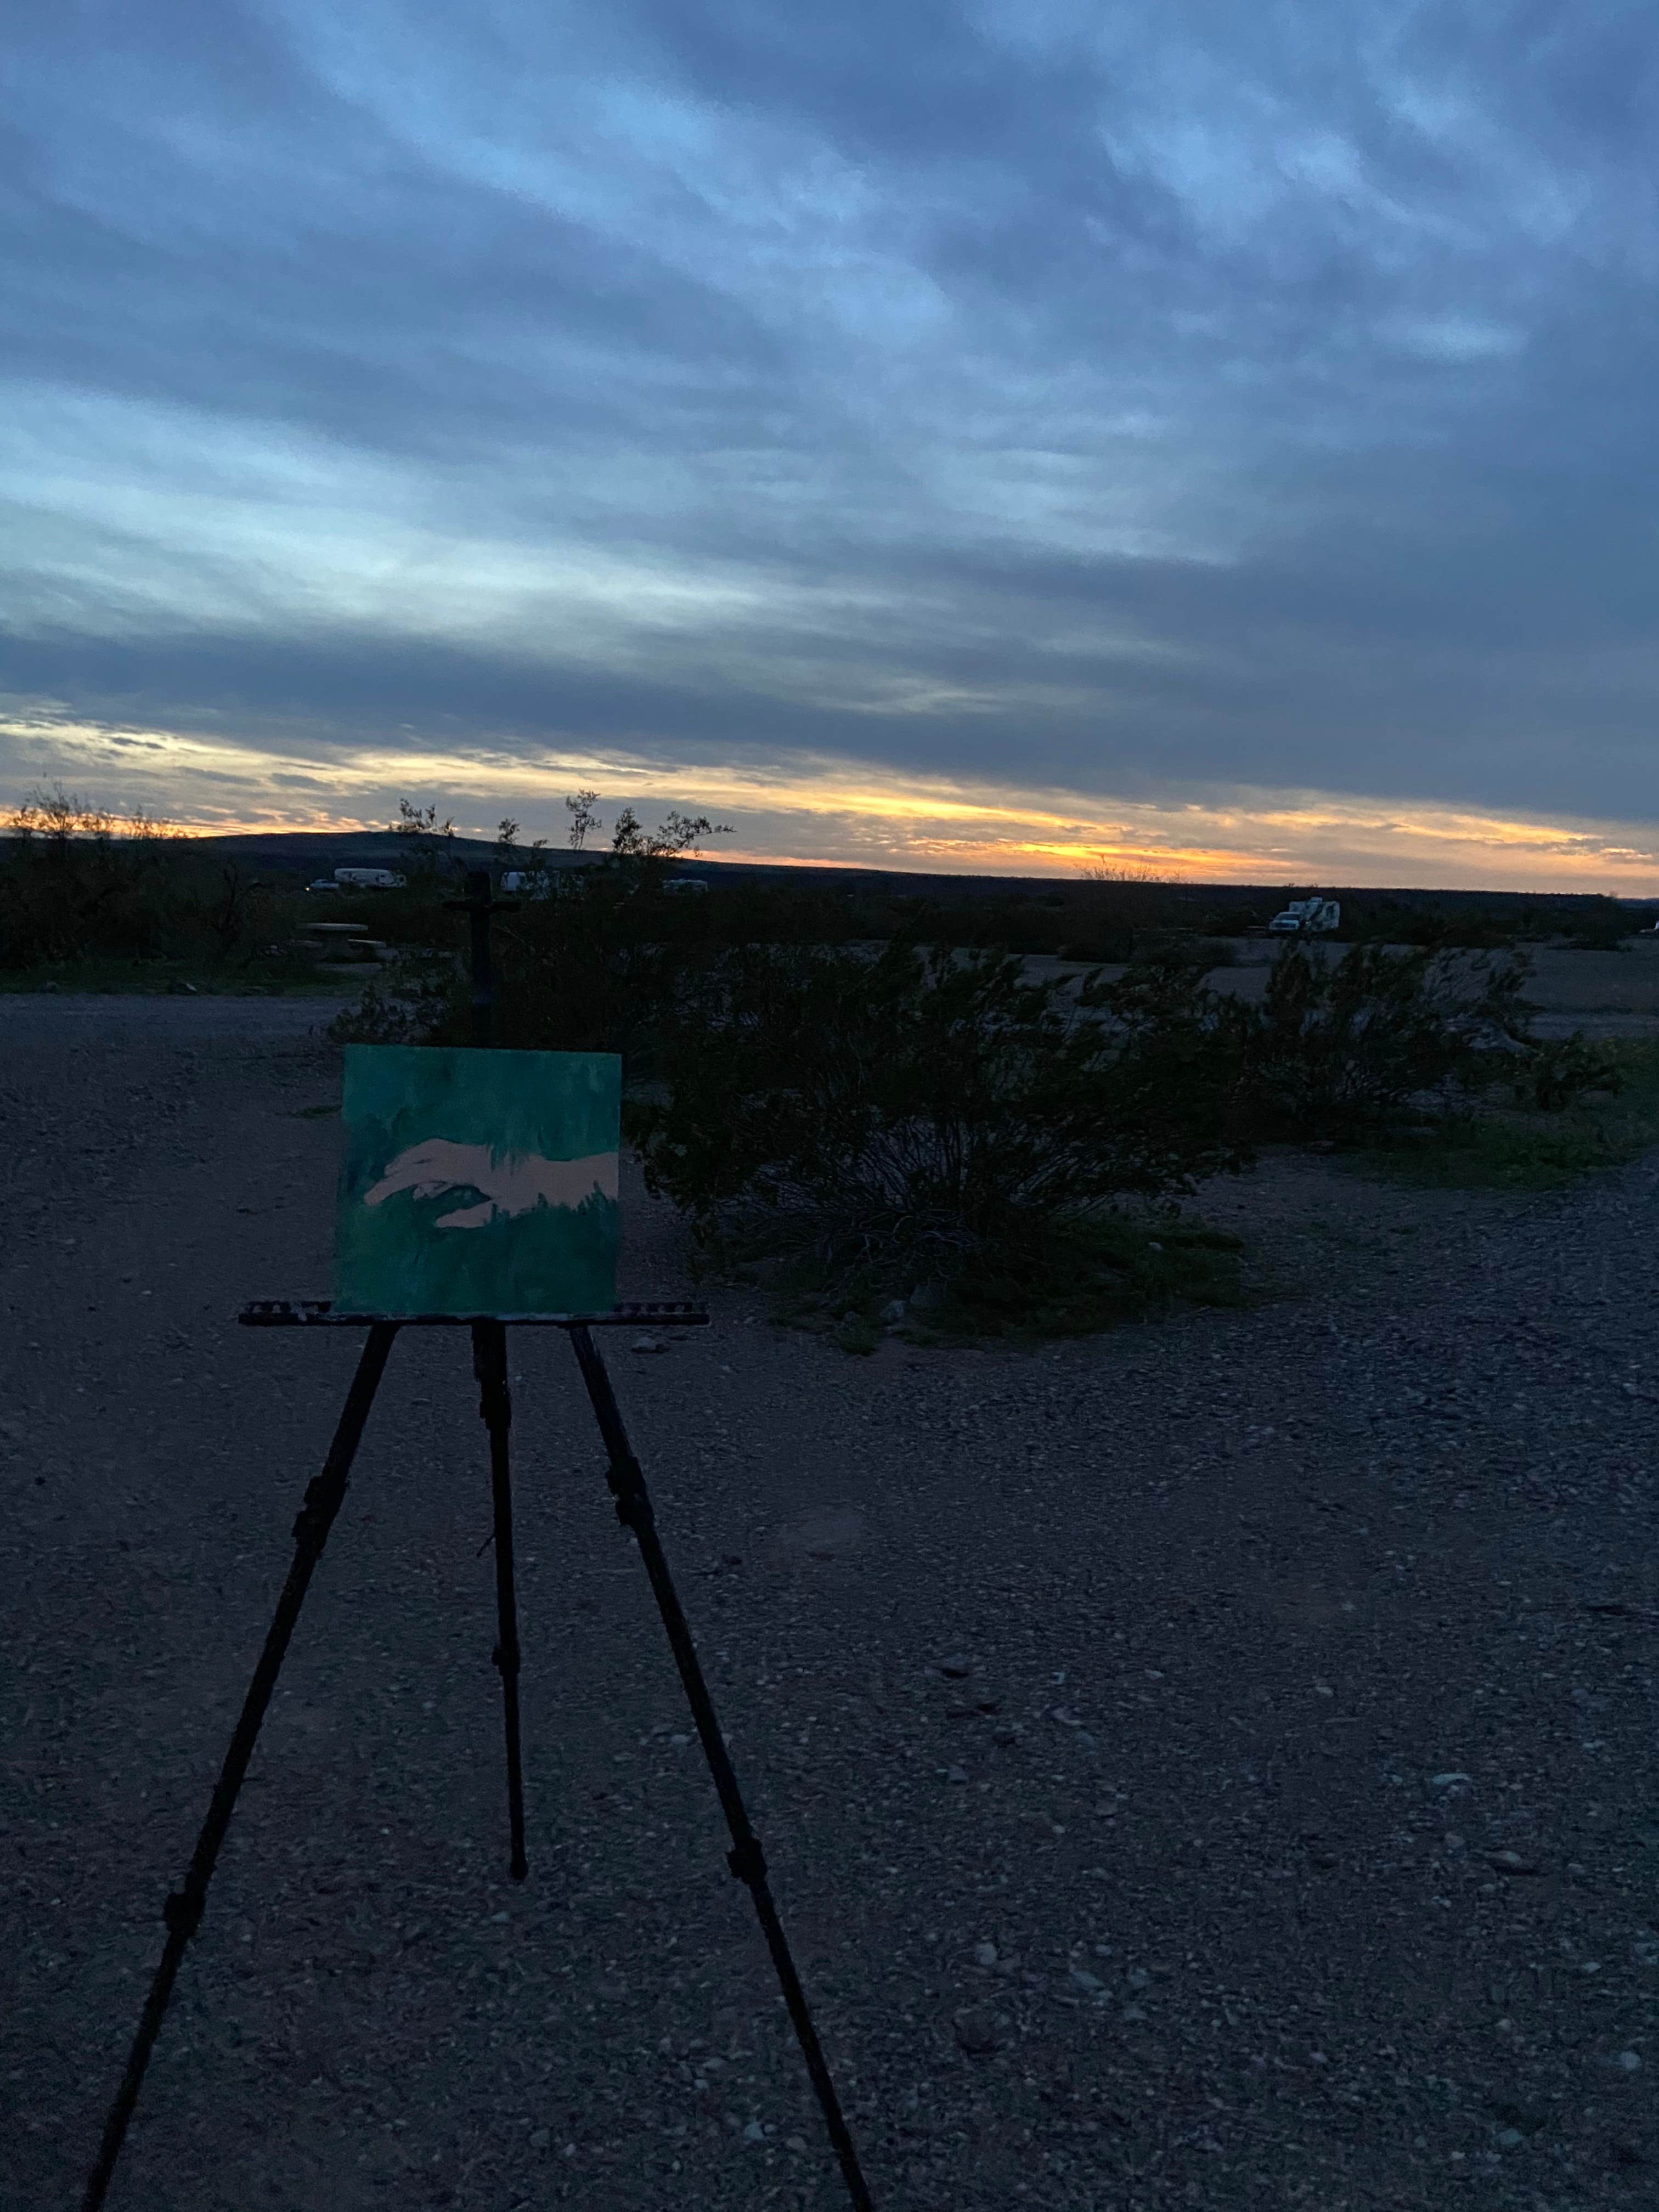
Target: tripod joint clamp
[(747, 1861), (626, 1480), (182, 1913), (310, 1522)]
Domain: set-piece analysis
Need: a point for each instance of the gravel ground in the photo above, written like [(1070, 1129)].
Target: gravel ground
[(1209, 1765)]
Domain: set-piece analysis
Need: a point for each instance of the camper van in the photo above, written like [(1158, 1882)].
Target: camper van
[(369, 879), (1308, 917), (360, 879)]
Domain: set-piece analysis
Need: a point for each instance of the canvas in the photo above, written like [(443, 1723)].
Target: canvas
[(478, 1182)]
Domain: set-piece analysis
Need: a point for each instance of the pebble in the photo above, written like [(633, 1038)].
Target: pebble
[(1445, 1780), (753, 2132), (1139, 1977), (985, 1954), (1630, 2062), (1512, 1863), (974, 2032), (649, 1343), (956, 1667), (893, 1311), (1509, 2138), (956, 1774)]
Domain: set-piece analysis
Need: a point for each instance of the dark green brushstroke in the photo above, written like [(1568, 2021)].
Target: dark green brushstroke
[(393, 1258)]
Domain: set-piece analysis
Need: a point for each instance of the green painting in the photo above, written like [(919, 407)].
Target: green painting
[(478, 1182)]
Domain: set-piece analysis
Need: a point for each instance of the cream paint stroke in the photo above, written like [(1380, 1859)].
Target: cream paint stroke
[(516, 1183)]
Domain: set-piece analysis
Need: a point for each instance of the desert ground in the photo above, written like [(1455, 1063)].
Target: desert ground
[(1606, 994), (1208, 1764)]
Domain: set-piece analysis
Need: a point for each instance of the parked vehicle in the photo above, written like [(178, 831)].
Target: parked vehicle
[(360, 879), (1308, 917)]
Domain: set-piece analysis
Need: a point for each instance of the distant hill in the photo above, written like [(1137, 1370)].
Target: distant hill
[(298, 856), (305, 853)]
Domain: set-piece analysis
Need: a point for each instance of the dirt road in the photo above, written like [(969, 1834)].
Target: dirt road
[(1212, 1764)]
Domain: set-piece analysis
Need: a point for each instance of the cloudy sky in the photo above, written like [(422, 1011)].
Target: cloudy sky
[(955, 433)]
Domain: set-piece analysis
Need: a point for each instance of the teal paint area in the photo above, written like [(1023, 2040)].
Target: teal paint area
[(479, 1181)]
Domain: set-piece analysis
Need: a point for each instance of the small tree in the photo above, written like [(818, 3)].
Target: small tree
[(429, 844), (583, 818), (230, 915), (670, 840)]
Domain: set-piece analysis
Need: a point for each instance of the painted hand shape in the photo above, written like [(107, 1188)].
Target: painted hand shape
[(516, 1184)]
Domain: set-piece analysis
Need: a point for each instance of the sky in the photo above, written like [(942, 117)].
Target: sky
[(967, 434)]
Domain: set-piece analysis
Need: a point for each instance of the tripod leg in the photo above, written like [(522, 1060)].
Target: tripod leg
[(746, 1860), (495, 1405), (185, 1907)]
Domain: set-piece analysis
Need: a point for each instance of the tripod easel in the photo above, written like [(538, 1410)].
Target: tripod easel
[(323, 1499)]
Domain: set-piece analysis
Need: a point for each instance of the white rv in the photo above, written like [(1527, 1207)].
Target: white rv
[(369, 879), (1308, 917)]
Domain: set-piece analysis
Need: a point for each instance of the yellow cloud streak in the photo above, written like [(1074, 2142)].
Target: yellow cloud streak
[(885, 818)]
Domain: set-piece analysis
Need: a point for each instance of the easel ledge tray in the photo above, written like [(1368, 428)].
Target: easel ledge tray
[(321, 1313)]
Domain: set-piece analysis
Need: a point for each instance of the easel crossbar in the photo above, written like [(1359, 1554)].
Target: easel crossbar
[(321, 1313)]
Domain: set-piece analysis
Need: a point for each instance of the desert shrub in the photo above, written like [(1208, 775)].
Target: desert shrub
[(1583, 1128), (1559, 1071), (120, 900), (896, 1117), (423, 1002), (76, 882), (875, 1118), (1601, 925), (1336, 1048)]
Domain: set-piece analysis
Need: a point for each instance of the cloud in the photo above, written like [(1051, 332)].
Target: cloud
[(971, 397), (829, 810)]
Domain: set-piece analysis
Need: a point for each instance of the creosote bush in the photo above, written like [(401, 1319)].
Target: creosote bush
[(1337, 1048), (84, 890), (75, 882), (873, 1121), (926, 1116)]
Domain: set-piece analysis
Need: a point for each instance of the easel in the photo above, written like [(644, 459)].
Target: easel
[(323, 1499)]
